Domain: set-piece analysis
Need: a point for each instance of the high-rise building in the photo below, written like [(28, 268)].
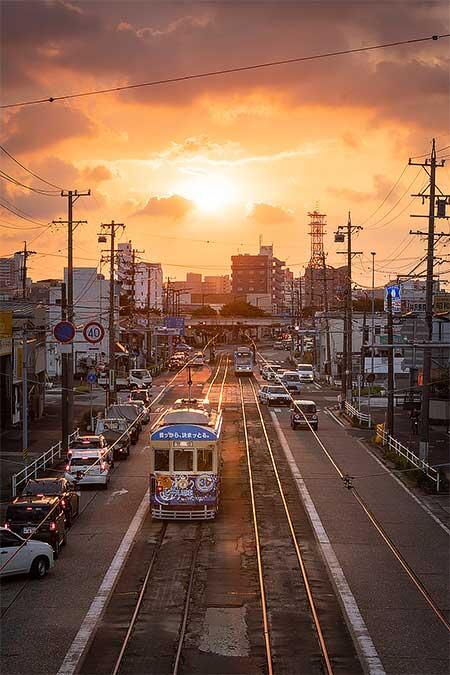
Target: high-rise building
[(194, 282), (11, 275), (148, 285), (216, 284)]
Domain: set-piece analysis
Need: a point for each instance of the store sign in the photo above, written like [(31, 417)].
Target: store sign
[(5, 333)]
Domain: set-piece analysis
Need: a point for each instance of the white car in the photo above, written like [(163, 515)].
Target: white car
[(273, 395), (305, 372), (34, 558), (140, 378), (89, 467)]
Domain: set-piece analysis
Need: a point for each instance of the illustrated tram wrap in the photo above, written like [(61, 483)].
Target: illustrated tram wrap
[(185, 462), (243, 361)]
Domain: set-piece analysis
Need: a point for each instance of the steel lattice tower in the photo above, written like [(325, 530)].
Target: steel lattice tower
[(317, 225)]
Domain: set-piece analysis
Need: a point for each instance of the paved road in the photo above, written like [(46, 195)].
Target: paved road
[(42, 618), (407, 634)]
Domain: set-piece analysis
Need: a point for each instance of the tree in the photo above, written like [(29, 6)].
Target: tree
[(241, 308), (205, 310)]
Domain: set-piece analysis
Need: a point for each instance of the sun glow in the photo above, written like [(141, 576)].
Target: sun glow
[(210, 193)]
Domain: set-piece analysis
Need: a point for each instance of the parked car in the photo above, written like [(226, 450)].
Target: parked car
[(24, 557), (38, 517), (306, 372), (291, 380), (140, 378), (87, 442), (56, 487), (273, 395), (304, 414), (89, 467), (117, 436)]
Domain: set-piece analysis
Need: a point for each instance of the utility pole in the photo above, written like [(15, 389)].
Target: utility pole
[(109, 230), (67, 358), (65, 430), (25, 395), (342, 232), (26, 254), (429, 165), (327, 322), (390, 397)]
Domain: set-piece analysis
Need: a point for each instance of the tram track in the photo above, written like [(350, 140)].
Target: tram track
[(304, 631)]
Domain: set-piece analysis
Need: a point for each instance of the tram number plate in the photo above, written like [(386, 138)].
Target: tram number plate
[(182, 444)]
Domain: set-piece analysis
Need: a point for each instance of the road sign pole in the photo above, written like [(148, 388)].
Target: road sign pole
[(90, 405)]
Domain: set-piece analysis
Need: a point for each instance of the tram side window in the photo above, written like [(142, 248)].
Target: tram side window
[(183, 460), (204, 460), (162, 460)]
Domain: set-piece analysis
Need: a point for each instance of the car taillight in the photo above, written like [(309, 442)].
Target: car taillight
[(103, 466), (53, 525), (7, 526), (63, 502), (67, 467)]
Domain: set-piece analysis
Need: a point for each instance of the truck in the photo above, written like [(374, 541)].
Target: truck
[(138, 378), (115, 430)]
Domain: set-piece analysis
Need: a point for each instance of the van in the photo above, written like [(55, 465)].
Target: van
[(89, 467), (39, 517), (304, 414), (306, 372), (291, 380)]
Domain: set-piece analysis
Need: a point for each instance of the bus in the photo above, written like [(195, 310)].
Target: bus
[(243, 361), (185, 462)]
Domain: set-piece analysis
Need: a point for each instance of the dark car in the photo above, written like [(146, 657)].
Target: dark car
[(40, 518), (117, 435), (56, 487), (304, 414), (129, 412), (141, 395)]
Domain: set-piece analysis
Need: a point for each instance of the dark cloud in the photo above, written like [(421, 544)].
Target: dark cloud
[(33, 128), (268, 214), (174, 207), (112, 43)]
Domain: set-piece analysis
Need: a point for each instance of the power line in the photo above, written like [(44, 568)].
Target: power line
[(372, 227), (3, 149), (224, 71), (18, 183), (19, 213), (387, 196)]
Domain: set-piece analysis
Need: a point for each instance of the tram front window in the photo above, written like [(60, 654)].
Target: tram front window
[(204, 460), (183, 460), (162, 460)]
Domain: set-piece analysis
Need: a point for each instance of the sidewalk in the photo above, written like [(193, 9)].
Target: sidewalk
[(42, 434)]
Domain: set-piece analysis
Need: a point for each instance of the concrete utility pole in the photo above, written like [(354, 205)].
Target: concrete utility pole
[(342, 232), (390, 393), (25, 395), (429, 165), (327, 322), (67, 359), (109, 230), (65, 430), (26, 254)]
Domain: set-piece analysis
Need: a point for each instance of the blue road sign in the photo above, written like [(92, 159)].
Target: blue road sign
[(91, 378), (64, 332)]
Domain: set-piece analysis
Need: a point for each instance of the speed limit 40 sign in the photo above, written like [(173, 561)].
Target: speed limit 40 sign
[(93, 332)]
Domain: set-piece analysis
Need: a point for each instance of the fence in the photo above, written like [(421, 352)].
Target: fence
[(354, 413), (39, 464), (409, 455)]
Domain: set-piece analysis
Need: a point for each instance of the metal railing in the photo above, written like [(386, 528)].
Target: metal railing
[(48, 458), (409, 455), (354, 413)]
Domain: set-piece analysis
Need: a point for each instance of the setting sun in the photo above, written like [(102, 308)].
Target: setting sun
[(209, 193)]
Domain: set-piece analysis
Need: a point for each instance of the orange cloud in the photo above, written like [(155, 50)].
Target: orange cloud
[(268, 214), (174, 207)]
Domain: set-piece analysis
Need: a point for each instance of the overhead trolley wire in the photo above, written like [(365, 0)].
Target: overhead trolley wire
[(223, 71)]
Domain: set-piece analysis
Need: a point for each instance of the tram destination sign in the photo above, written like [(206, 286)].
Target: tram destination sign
[(183, 432)]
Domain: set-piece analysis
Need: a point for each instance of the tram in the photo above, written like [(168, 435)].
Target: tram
[(185, 462), (243, 361)]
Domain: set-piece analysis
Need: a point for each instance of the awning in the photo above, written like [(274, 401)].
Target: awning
[(121, 350)]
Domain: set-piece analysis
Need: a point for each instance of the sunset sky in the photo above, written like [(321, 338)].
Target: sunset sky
[(223, 159)]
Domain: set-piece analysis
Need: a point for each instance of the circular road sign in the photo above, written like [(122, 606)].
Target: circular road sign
[(93, 332), (64, 331)]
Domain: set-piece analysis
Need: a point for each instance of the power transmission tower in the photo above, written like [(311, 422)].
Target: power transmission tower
[(26, 254), (346, 231), (109, 230), (436, 209), (67, 358)]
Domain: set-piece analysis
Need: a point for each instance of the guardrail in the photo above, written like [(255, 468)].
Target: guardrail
[(409, 455), (354, 413), (39, 464)]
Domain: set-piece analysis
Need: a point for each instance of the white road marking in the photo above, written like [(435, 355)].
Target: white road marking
[(411, 494), (83, 637), (363, 642), (317, 385), (336, 419), (119, 493)]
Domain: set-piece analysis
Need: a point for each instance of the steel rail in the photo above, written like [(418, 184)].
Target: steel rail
[(139, 600), (257, 539), (309, 593), (149, 571), (187, 602), (380, 529)]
